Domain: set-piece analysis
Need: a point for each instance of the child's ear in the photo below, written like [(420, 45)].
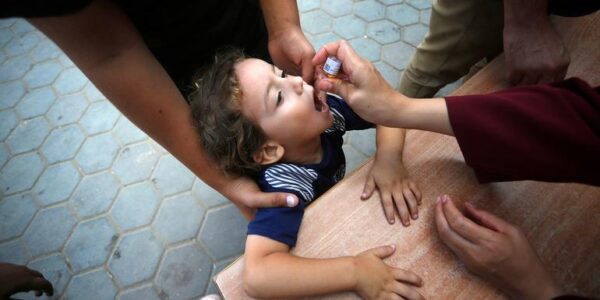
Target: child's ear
[(269, 153)]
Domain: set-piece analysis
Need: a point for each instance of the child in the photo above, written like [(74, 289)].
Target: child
[(255, 120)]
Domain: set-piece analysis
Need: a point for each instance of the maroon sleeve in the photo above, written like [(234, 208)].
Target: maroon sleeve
[(548, 132)]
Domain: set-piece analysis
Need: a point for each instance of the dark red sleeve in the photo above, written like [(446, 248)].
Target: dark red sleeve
[(540, 132)]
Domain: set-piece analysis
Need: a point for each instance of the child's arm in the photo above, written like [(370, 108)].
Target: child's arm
[(272, 272), (390, 178)]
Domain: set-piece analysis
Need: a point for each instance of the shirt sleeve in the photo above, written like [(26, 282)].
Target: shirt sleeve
[(351, 121), (548, 132), (279, 223)]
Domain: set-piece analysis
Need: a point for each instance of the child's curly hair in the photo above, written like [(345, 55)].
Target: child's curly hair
[(227, 136)]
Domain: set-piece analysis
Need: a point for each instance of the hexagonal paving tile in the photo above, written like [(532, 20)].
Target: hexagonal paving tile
[(65, 61), (319, 40), (20, 172), (391, 75), (22, 44), (42, 74), (56, 183), (62, 143), (207, 195), (4, 154), (364, 141), (316, 22), (397, 54), (67, 109), (135, 163), (94, 285), (12, 92), (2, 58), (179, 218), (36, 102), (369, 10), (414, 34), (135, 205), (383, 31), (171, 176), (308, 5), (13, 252), (8, 121), (97, 153), (90, 244), (93, 94), (425, 16), (49, 230), (45, 50), (70, 81), (337, 8), (184, 272), (353, 158), (145, 292), (21, 26), (403, 14), (127, 132), (95, 194), (28, 135), (136, 257), (55, 270), (349, 27), (366, 48), (100, 117), (420, 4), (5, 36), (15, 67), (224, 232), (15, 214), (390, 2)]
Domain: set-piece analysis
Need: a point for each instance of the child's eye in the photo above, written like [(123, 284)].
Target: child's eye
[(279, 98)]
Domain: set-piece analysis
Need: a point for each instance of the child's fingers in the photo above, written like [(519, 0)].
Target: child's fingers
[(407, 292), (407, 276), (411, 200), (368, 189), (401, 206), (383, 251), (415, 190), (388, 206)]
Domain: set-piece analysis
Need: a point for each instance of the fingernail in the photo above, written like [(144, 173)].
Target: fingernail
[(393, 247), (364, 195), (415, 216), (391, 221), (439, 198), (444, 198), (290, 201)]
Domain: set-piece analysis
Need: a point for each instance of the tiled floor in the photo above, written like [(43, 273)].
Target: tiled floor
[(105, 212)]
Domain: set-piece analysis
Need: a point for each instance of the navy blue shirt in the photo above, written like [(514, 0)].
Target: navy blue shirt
[(307, 181)]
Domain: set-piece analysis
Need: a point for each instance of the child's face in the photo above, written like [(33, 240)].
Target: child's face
[(283, 106)]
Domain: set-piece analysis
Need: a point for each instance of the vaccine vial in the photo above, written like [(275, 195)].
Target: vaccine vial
[(332, 66)]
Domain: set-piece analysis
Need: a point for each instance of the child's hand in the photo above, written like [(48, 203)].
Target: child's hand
[(390, 178), (377, 280)]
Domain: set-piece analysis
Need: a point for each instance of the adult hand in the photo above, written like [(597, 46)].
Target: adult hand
[(15, 279), (363, 88), (291, 52), (495, 250), (390, 178), (246, 195), (534, 52)]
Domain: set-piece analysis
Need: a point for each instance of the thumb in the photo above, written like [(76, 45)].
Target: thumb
[(275, 200), (485, 218), (339, 87), (382, 251)]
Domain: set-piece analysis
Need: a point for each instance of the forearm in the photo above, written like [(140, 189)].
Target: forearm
[(114, 57), (519, 13), (282, 275), (280, 15), (422, 114)]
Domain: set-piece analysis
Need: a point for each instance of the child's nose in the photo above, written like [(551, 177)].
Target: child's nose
[(297, 83)]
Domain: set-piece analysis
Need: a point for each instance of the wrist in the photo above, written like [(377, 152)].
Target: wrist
[(524, 13)]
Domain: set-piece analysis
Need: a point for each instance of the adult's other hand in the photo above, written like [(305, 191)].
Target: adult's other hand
[(16, 278), (495, 250)]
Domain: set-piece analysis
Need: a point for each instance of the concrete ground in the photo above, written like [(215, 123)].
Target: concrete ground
[(100, 208)]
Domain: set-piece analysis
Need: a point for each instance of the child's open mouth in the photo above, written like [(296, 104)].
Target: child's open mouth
[(320, 105)]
